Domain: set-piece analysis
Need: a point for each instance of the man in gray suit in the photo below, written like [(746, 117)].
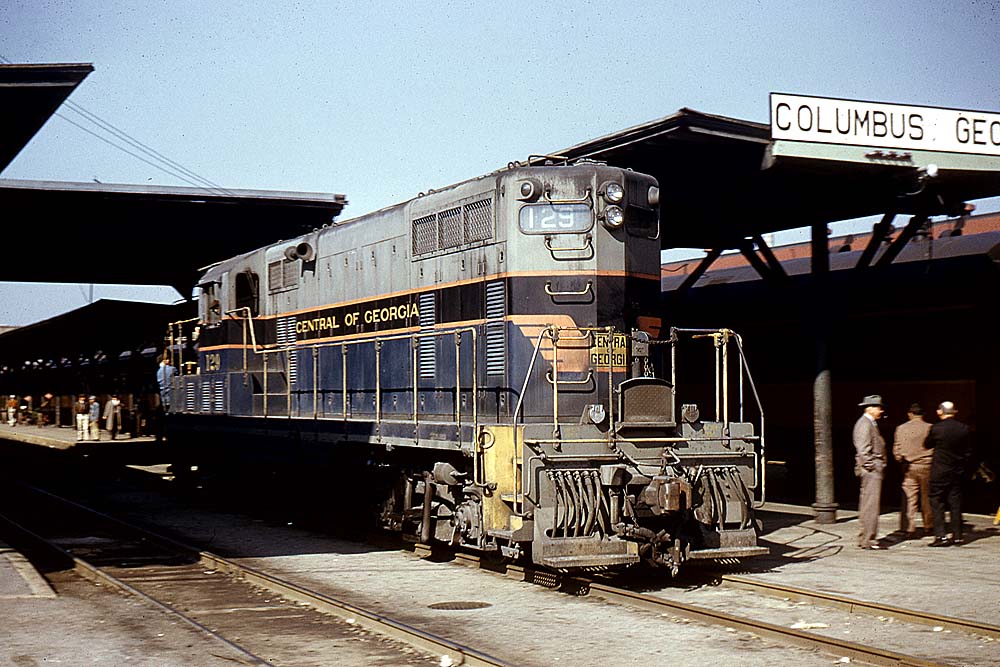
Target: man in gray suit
[(869, 463)]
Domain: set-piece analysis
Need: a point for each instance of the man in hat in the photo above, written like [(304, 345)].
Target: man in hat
[(949, 438), (869, 462), (113, 415), (908, 449)]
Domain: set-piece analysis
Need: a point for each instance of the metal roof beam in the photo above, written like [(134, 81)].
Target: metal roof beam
[(879, 233), (916, 223)]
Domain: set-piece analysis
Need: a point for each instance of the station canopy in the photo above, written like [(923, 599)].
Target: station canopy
[(125, 234), (723, 180), (139, 235), (29, 95)]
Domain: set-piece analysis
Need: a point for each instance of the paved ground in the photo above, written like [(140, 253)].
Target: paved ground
[(84, 624), (64, 437)]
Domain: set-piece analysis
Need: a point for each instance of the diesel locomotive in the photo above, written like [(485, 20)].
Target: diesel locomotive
[(488, 363)]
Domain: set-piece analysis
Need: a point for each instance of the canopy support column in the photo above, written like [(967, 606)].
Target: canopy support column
[(824, 507)]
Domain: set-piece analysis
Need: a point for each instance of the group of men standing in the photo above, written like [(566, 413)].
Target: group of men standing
[(88, 417), (934, 459)]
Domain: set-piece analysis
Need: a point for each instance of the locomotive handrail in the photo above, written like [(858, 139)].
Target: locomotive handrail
[(377, 340), (586, 380), (550, 292), (542, 156), (759, 479), (552, 249), (585, 199), (172, 342), (553, 332), (527, 375), (253, 334), (763, 456)]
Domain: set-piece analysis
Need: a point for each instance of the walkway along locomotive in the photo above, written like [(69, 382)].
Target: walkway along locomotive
[(487, 360)]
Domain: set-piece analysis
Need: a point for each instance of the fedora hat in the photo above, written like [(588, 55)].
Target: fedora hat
[(873, 400)]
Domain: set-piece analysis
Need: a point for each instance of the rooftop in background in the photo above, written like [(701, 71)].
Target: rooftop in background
[(737, 268), (29, 95), (107, 327)]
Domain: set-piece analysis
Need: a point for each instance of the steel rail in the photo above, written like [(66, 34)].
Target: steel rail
[(856, 652), (863, 606), (459, 654), (583, 586), (97, 575)]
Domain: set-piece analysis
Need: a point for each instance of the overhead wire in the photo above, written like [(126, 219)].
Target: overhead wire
[(154, 158)]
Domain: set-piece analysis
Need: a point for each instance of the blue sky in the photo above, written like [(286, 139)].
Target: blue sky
[(379, 101)]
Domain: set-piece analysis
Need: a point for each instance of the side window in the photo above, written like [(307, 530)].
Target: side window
[(248, 292), (211, 308)]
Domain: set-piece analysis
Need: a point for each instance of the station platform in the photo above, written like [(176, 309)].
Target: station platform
[(40, 441), (62, 437)]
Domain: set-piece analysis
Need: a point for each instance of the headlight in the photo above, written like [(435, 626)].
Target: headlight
[(529, 190), (614, 216), (614, 193)]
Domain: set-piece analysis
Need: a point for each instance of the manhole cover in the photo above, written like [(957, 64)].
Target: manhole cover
[(462, 604)]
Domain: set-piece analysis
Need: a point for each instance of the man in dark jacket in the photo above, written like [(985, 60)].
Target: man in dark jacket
[(949, 438), (869, 464)]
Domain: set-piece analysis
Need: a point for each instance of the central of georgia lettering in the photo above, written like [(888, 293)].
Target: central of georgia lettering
[(346, 320), (849, 121)]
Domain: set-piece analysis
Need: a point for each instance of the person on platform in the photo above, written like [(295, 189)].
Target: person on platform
[(915, 459), (952, 445), (113, 416), (47, 410), (164, 378), (12, 410), (94, 418), (82, 411), (869, 464)]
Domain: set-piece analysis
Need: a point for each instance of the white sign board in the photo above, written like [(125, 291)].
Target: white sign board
[(895, 126)]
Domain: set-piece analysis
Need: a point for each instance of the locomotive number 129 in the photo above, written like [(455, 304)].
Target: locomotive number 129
[(555, 218)]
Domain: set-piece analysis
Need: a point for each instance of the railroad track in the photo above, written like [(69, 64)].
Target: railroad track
[(160, 571), (856, 606), (779, 634), (853, 651)]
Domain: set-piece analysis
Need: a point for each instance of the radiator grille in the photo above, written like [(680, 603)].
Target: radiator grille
[(206, 395), (274, 276), (479, 221), (286, 339), (189, 391), (282, 275), (496, 343), (425, 237), (450, 227), (218, 395), (426, 347), (289, 274)]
